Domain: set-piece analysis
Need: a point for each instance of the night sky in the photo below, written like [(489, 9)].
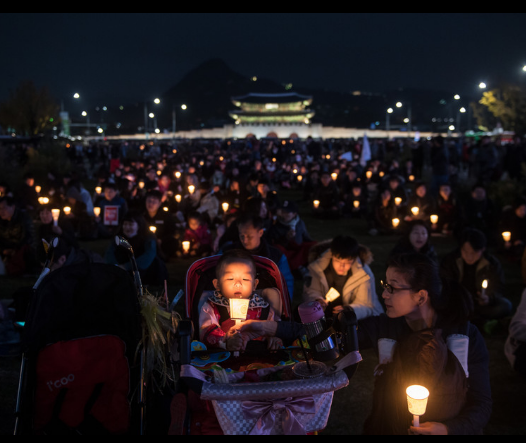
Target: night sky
[(132, 56)]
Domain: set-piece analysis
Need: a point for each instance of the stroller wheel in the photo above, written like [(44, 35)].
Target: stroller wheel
[(178, 414)]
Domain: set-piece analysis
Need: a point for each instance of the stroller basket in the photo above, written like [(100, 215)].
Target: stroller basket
[(287, 407)]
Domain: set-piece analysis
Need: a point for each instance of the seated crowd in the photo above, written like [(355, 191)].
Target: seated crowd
[(205, 199)]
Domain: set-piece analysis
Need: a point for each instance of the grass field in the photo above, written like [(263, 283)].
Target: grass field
[(351, 405)]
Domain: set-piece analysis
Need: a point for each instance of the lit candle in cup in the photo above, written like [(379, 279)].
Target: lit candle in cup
[(356, 203), (334, 176), (55, 213), (178, 198), (177, 174), (141, 184), (153, 229), (415, 210), (67, 210), (238, 309), (191, 189), (316, 203), (38, 189), (43, 200), (369, 174), (186, 247), (398, 200), (98, 189), (411, 178), (417, 402), (96, 211), (434, 219), (506, 236), (299, 177), (225, 207), (396, 222)]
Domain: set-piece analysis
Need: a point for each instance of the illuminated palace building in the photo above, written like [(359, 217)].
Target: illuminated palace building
[(285, 115), (281, 115)]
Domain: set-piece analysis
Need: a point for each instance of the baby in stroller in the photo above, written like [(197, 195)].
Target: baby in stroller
[(235, 279)]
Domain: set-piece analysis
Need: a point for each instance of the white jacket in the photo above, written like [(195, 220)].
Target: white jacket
[(358, 291)]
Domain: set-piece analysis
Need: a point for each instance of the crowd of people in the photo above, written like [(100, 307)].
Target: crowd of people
[(199, 198)]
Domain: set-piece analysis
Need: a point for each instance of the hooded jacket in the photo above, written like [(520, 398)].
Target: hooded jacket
[(358, 291)]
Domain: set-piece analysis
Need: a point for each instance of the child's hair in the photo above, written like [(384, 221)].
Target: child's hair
[(448, 297), (347, 247), (235, 256)]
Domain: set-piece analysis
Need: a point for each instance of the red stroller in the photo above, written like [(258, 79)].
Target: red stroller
[(255, 401)]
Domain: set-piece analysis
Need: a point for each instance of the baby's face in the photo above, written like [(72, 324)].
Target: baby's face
[(237, 281)]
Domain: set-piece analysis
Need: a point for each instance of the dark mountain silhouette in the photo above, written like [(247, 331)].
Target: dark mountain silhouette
[(207, 91)]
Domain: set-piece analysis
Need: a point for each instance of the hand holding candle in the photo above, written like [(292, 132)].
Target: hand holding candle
[(483, 299)]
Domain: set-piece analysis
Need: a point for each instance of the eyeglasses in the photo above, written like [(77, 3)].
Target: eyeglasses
[(390, 288)]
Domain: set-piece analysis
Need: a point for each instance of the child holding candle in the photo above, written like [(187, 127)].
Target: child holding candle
[(235, 279)]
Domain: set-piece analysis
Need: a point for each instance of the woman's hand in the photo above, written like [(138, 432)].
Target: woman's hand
[(429, 428)]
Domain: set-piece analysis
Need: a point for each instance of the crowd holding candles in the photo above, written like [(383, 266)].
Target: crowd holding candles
[(183, 202)]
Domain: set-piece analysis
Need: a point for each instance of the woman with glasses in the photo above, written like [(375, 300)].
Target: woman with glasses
[(425, 338)]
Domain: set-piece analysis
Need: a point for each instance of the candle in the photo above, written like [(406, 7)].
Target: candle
[(334, 176), (396, 222), (434, 218), (186, 246), (411, 178), (96, 211), (300, 178), (178, 198), (38, 189), (238, 309), (177, 174), (506, 236), (225, 206), (415, 210), (141, 184), (316, 204), (55, 213), (398, 200), (153, 229), (356, 203), (417, 402), (43, 200), (369, 174), (98, 189), (484, 287), (67, 210), (191, 189)]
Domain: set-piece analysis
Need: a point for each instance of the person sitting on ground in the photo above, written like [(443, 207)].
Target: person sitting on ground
[(290, 235), (163, 222), (416, 238), (328, 196), (344, 268), (17, 239), (471, 264), (235, 278), (513, 220), (113, 208), (133, 228), (199, 236)]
